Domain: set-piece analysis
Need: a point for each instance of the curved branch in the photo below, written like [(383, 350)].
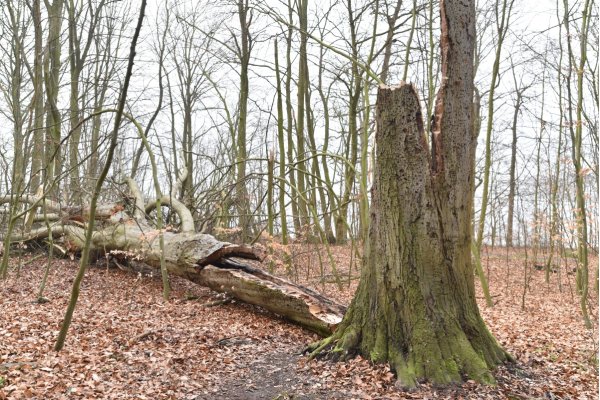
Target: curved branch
[(185, 215), (138, 213), (178, 184), (76, 234), (32, 200), (42, 218)]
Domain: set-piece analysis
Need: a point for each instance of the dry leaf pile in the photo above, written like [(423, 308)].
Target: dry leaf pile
[(126, 343)]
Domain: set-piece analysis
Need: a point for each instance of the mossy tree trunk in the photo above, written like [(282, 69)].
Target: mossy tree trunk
[(415, 305)]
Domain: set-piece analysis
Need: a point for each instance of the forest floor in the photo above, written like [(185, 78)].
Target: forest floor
[(126, 343)]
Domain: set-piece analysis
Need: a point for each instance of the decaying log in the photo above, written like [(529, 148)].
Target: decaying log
[(223, 267), (200, 258), (252, 285)]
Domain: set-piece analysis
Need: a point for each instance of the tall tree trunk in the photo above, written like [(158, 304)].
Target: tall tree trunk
[(502, 20), (409, 42), (106, 66), (316, 173), (290, 121), (536, 193), (302, 176), (78, 54), (187, 186), (17, 178), (415, 305), (51, 78), (352, 142), (364, 138), (575, 129), (74, 112), (430, 75), (37, 158), (512, 176), (243, 201), (281, 142), (333, 199), (555, 180)]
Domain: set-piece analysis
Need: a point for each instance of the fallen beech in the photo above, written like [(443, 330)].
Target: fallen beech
[(197, 257)]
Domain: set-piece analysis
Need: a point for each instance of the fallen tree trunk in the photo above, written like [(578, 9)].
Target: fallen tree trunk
[(202, 259)]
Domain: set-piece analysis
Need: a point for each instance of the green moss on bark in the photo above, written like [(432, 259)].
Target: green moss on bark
[(415, 306)]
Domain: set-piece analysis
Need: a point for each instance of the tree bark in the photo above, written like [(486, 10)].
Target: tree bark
[(281, 143), (415, 305), (37, 158), (242, 195), (52, 64), (290, 122), (512, 179), (302, 178), (200, 258)]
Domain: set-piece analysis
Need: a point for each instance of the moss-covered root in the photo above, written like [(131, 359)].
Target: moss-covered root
[(317, 349), (427, 360), (340, 346)]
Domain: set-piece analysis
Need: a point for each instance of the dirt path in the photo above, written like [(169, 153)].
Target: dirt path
[(272, 375)]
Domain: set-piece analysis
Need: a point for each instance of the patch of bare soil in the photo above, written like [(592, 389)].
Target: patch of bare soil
[(126, 343)]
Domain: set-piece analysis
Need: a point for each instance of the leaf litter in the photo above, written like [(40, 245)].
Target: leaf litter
[(126, 343)]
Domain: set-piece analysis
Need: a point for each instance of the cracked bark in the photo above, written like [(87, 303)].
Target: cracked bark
[(415, 305)]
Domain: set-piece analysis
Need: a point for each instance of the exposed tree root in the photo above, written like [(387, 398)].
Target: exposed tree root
[(439, 359)]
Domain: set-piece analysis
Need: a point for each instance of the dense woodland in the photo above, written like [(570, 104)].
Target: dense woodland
[(253, 136)]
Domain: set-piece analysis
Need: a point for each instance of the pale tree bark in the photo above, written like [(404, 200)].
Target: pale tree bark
[(159, 213), (125, 234), (415, 305), (52, 65)]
